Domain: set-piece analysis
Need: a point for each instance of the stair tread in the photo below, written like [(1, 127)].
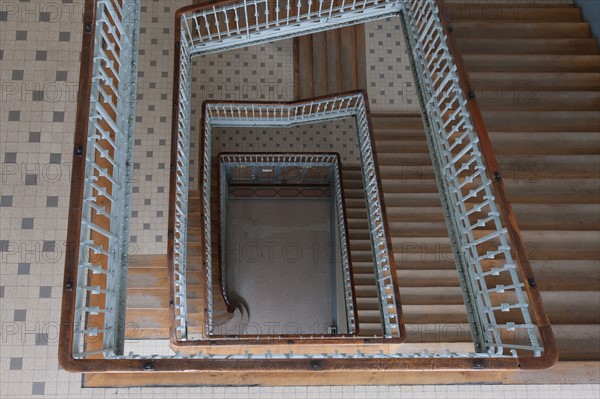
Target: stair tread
[(509, 29), (505, 13), (528, 46)]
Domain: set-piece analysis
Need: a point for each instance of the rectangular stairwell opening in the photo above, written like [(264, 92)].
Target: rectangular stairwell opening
[(284, 267)]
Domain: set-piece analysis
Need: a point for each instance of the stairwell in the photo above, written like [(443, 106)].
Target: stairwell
[(534, 69)]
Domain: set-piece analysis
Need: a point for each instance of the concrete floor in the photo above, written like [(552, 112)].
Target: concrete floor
[(279, 262)]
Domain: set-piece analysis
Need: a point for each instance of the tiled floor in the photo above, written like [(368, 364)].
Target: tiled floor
[(39, 66), (390, 82)]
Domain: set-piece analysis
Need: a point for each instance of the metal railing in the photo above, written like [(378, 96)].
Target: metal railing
[(107, 152), (492, 286), (278, 164), (181, 180), (94, 280), (303, 112), (235, 24)]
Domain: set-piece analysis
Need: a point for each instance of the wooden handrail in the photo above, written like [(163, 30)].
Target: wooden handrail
[(507, 215), (67, 329)]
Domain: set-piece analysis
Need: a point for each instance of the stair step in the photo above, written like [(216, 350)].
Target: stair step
[(148, 278), (414, 278), (542, 121), (500, 13), (562, 307), (530, 99), (148, 318), (553, 245), (522, 188), (551, 275), (147, 298), (398, 215), (548, 143), (528, 46), (147, 261), (511, 30), (195, 291), (532, 63), (492, 82), (401, 146), (418, 166)]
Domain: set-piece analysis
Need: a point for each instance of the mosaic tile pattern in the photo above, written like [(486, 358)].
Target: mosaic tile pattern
[(40, 42), (390, 83), (150, 184)]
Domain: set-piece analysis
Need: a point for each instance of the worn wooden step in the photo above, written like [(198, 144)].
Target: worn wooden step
[(549, 143), (562, 307), (511, 30), (532, 63), (552, 191), (391, 134), (405, 229), (414, 278), (535, 81), (554, 245), (531, 99), (528, 46), (152, 318), (582, 275), (147, 261), (147, 298), (500, 13), (522, 187), (399, 215), (532, 167), (148, 277), (551, 275), (542, 121), (404, 146), (195, 291), (147, 292), (418, 166), (417, 314)]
